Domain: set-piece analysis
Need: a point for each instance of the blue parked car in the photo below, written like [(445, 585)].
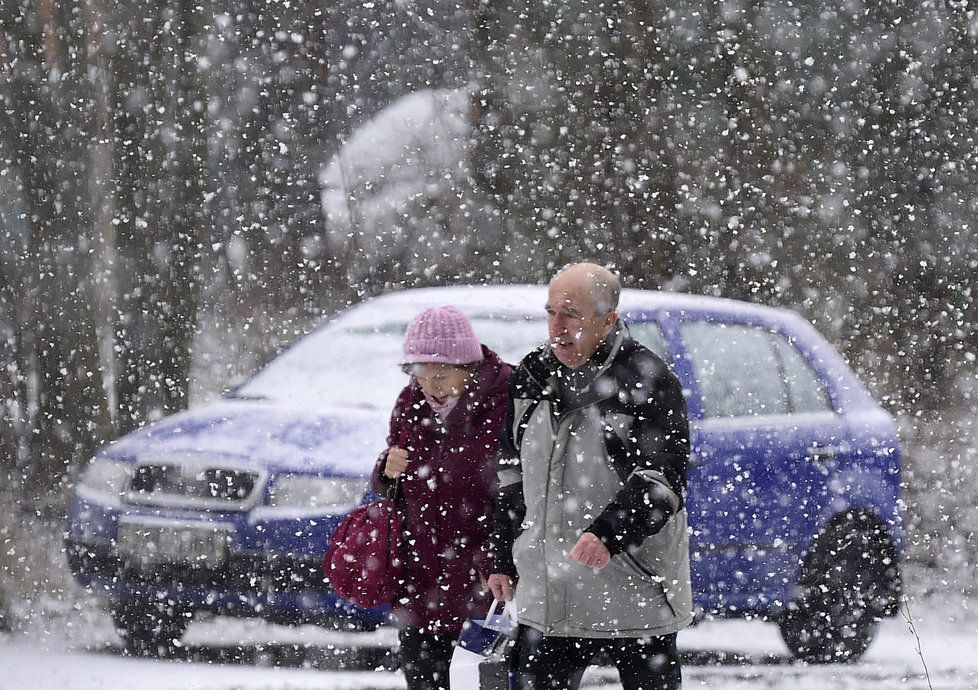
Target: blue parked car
[(228, 507)]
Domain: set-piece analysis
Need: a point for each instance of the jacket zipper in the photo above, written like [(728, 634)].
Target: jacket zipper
[(443, 430)]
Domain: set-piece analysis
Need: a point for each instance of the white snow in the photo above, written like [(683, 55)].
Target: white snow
[(722, 655), (353, 360)]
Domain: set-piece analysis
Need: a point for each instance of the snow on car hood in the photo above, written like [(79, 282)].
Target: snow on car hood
[(263, 434)]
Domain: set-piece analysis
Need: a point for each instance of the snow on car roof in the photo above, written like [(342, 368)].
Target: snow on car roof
[(364, 342), (529, 300)]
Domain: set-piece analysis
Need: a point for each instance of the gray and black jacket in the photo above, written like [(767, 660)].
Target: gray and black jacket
[(601, 449)]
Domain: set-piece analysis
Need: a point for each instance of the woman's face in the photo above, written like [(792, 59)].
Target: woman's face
[(441, 381)]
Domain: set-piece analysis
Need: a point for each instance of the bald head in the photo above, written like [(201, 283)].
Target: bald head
[(602, 284), (581, 304)]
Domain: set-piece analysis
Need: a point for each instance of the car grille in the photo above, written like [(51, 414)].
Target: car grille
[(175, 484)]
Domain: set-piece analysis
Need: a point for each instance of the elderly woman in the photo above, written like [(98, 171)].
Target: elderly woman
[(444, 434)]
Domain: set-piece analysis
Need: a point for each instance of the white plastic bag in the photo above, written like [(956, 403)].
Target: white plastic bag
[(481, 660)]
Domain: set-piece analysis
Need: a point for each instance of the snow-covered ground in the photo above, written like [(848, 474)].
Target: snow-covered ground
[(79, 651)]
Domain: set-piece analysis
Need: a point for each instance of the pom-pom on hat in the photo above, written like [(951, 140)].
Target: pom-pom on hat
[(441, 335)]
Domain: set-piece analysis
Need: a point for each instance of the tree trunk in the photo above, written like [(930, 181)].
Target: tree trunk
[(160, 164), (49, 96)]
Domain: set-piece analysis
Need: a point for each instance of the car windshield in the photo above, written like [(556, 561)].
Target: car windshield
[(359, 366)]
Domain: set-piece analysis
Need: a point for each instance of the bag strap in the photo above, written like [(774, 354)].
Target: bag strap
[(492, 608), (510, 610), (521, 427), (617, 451), (394, 490)]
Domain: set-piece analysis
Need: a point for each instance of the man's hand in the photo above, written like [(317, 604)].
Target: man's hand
[(397, 462), (502, 587), (590, 552)]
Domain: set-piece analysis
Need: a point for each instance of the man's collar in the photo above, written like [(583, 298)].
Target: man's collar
[(543, 364), (607, 346), (577, 388)]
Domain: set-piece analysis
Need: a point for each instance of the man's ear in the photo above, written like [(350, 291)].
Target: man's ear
[(610, 318)]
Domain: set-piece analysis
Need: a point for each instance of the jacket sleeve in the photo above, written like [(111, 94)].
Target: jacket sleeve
[(656, 451), (510, 506)]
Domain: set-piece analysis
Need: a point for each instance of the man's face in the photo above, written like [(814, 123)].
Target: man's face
[(574, 328)]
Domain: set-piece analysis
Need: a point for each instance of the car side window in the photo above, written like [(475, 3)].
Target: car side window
[(737, 369), (806, 389), (650, 335)]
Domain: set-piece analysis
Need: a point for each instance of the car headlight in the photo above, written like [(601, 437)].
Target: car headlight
[(308, 491), (105, 476)]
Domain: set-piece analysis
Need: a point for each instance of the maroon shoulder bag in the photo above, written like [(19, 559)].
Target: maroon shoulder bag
[(363, 562)]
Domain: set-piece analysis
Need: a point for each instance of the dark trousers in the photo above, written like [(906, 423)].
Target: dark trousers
[(425, 658), (557, 663)]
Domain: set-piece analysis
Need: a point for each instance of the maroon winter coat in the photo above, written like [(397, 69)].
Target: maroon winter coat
[(449, 495)]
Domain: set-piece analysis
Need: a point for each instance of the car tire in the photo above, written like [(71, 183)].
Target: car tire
[(152, 630), (836, 615)]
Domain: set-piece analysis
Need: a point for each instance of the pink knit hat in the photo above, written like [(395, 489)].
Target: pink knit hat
[(441, 335)]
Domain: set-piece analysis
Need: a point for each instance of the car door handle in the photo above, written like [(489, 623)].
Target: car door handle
[(820, 454)]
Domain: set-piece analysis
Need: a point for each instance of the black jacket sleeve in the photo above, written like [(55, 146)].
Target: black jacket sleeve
[(656, 453), (510, 505)]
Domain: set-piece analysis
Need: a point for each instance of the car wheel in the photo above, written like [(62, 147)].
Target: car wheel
[(150, 629), (836, 616)]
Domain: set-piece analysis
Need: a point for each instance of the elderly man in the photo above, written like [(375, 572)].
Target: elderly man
[(590, 526)]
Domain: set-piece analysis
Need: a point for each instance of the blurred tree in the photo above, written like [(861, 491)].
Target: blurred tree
[(288, 82), (165, 158), (5, 619), (58, 400), (55, 368), (808, 155), (13, 384), (13, 244), (106, 138), (159, 132), (572, 144)]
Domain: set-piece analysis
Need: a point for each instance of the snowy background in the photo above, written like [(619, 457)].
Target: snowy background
[(186, 187)]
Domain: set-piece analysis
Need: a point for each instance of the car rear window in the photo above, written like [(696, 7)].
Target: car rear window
[(806, 389), (747, 371)]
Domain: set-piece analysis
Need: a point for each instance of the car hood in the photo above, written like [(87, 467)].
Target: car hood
[(262, 434)]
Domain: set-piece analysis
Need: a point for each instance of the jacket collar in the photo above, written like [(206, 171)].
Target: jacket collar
[(484, 379), (546, 370)]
